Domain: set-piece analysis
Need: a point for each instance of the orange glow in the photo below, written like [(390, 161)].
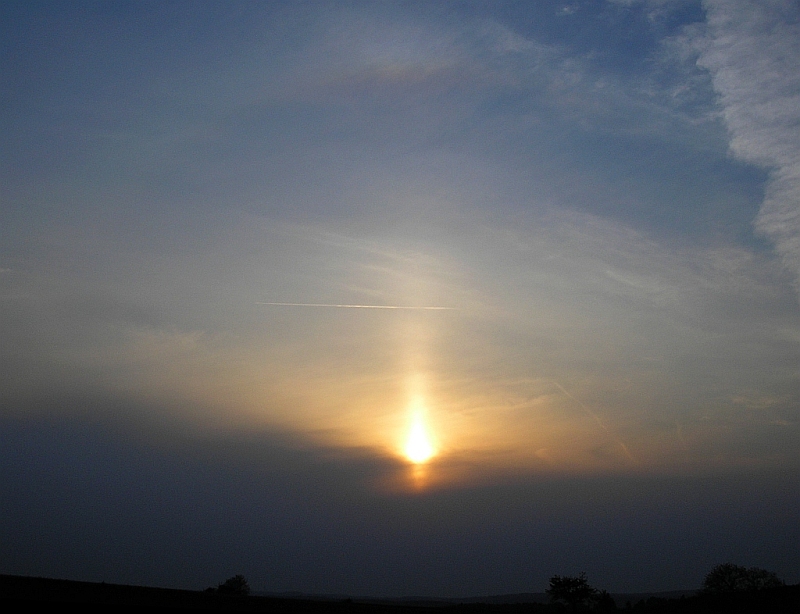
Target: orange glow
[(418, 448)]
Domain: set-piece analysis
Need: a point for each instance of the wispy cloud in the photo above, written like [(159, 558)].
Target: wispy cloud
[(753, 54)]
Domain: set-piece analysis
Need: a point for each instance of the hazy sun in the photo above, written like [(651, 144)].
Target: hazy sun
[(418, 448)]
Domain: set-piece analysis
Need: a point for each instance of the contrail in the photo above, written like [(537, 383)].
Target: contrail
[(600, 423), (359, 306)]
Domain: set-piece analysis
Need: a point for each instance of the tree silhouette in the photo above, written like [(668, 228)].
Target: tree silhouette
[(237, 585), (729, 578), (604, 602), (574, 591)]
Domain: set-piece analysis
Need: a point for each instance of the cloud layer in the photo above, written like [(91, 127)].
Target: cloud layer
[(753, 54)]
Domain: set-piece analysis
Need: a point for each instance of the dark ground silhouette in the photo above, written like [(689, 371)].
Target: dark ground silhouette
[(19, 592)]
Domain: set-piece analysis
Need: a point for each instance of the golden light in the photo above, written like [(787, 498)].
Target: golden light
[(418, 448)]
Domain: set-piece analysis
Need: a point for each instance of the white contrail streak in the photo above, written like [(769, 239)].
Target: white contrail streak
[(600, 423), (359, 306)]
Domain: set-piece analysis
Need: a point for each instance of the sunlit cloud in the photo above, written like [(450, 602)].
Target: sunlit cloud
[(573, 348)]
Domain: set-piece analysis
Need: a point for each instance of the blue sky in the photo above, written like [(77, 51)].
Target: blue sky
[(604, 196)]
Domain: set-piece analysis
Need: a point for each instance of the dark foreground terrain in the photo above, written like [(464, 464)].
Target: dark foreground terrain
[(18, 593)]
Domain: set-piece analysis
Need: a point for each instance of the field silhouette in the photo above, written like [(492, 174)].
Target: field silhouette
[(565, 595)]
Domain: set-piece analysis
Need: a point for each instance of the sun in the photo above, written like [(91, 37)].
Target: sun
[(418, 448)]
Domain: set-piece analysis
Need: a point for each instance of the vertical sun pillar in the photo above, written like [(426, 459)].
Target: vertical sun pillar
[(418, 448)]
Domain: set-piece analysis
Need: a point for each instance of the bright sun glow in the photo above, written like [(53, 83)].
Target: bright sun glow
[(418, 447)]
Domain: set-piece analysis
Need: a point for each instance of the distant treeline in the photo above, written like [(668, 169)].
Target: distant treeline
[(727, 588)]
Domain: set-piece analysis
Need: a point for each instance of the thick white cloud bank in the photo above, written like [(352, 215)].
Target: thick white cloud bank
[(753, 54)]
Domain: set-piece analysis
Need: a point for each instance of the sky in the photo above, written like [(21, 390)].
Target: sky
[(400, 298)]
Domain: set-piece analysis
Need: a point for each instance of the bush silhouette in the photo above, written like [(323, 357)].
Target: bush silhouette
[(237, 585)]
